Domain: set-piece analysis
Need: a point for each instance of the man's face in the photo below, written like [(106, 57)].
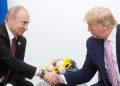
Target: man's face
[(97, 30), (20, 23)]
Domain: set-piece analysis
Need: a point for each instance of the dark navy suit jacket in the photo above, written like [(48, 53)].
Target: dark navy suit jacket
[(94, 62)]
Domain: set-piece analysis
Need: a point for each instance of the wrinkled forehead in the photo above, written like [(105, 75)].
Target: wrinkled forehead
[(23, 16)]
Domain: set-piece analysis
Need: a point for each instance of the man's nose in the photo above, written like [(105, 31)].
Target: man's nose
[(25, 27)]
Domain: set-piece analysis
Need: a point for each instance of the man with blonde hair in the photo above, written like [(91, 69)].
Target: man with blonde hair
[(103, 52)]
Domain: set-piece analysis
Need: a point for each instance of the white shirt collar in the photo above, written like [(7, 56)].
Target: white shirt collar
[(112, 35), (11, 36)]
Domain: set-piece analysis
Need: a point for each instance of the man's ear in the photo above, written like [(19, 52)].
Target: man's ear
[(104, 26), (10, 17)]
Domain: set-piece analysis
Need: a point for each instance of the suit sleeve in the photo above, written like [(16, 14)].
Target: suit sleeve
[(13, 63), (84, 74)]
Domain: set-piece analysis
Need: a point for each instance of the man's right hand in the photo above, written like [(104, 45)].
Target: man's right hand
[(53, 78)]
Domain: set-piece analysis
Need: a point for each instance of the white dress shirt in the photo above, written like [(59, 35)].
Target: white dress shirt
[(112, 38)]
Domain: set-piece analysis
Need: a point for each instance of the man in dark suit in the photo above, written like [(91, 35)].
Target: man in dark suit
[(103, 28), (13, 69)]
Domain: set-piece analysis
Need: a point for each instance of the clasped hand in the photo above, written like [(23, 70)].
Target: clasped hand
[(52, 78)]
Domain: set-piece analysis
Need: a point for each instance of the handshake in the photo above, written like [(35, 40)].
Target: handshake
[(59, 66), (51, 78)]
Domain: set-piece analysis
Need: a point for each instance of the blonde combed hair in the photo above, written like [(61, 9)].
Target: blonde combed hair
[(100, 15)]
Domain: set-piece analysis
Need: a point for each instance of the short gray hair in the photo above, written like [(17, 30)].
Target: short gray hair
[(13, 11)]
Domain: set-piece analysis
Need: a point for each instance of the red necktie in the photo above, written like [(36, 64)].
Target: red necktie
[(12, 49), (110, 63)]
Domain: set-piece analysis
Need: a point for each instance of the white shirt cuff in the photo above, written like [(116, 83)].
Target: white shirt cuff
[(8, 84), (36, 71), (63, 77)]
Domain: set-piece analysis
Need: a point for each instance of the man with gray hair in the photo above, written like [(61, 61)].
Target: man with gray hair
[(13, 69), (103, 52)]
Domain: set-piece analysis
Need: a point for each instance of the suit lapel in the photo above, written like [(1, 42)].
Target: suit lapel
[(101, 61), (4, 34), (118, 45), (18, 45), (100, 56)]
